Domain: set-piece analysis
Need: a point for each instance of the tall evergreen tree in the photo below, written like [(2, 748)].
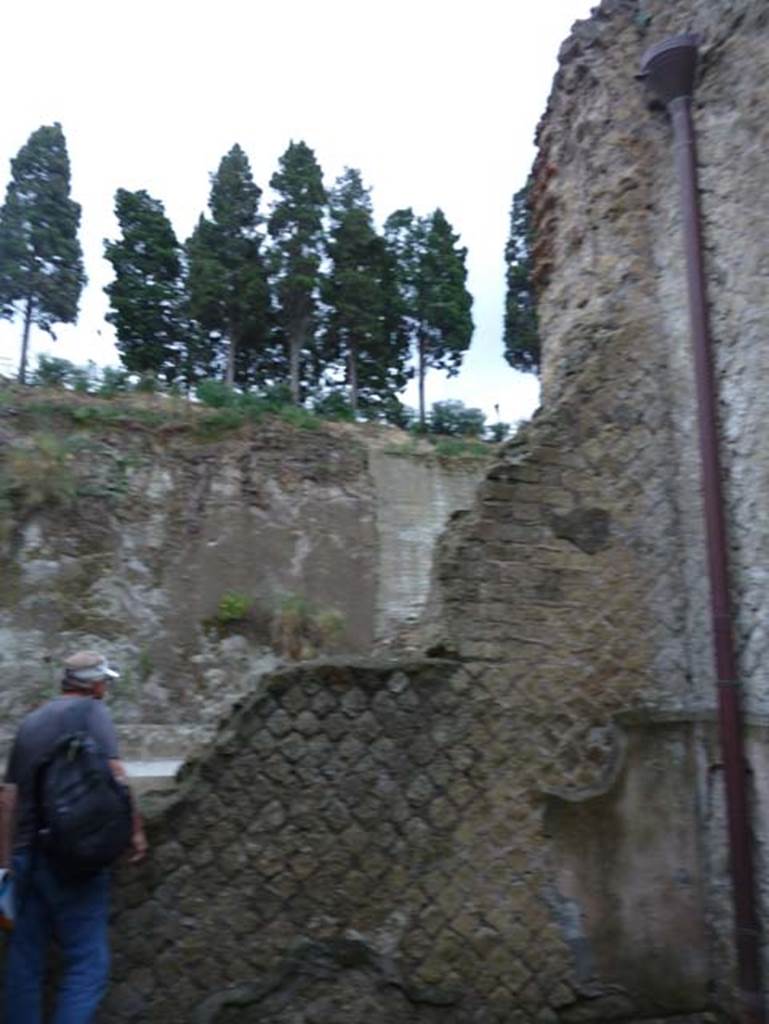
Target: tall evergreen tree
[(361, 328), (147, 296), (521, 330), (295, 226), (227, 281), (41, 262), (435, 303)]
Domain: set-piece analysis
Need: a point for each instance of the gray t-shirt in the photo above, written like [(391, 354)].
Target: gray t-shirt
[(37, 736)]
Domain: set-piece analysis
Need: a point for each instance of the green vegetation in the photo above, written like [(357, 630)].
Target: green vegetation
[(296, 231), (39, 473), (310, 296), (454, 419), (233, 607), (41, 263), (454, 448), (227, 280), (433, 301), (89, 398), (521, 329), (362, 330), (301, 630), (146, 297)]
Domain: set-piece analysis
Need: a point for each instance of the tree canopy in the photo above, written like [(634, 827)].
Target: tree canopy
[(313, 299), (147, 295), (435, 305), (521, 329), (296, 229), (361, 328), (227, 280), (41, 262)]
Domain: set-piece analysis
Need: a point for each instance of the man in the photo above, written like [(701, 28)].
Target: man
[(75, 912)]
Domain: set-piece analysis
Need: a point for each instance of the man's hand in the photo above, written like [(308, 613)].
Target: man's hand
[(139, 846)]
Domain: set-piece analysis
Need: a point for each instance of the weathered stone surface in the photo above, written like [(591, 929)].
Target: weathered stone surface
[(164, 527)]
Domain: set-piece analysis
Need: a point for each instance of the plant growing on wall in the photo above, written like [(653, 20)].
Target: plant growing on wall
[(301, 630), (39, 473)]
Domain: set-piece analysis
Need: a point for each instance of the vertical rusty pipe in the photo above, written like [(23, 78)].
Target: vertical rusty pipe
[(669, 69)]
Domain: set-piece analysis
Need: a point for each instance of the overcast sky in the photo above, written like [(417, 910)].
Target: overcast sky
[(434, 101)]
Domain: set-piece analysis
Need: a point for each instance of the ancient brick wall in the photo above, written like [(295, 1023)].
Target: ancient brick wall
[(364, 841), (579, 577)]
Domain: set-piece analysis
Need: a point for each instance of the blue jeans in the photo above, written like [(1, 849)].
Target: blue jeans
[(76, 916)]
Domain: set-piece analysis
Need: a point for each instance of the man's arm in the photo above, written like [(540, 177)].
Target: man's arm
[(139, 844), (7, 821)]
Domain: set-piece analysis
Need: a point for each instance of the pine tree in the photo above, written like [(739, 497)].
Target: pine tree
[(435, 303), (361, 329), (295, 226), (521, 331), (147, 296), (41, 262), (227, 282)]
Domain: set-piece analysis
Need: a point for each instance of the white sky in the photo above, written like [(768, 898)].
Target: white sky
[(435, 101)]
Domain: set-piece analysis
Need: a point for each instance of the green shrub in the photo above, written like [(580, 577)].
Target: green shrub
[(252, 406), (334, 405), (114, 381), (216, 394), (399, 415), (456, 448), (454, 419), (300, 630), (83, 378), (220, 422), (53, 372), (299, 417), (148, 383), (276, 397), (499, 432), (233, 607)]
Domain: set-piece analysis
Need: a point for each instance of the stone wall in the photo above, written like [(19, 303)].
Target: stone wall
[(364, 841), (164, 524), (579, 578)]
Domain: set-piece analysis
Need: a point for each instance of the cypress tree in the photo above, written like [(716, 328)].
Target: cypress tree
[(147, 295), (295, 226), (521, 329), (41, 262), (436, 306), (227, 281), (361, 330)]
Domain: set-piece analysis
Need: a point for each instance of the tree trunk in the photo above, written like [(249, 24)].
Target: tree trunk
[(229, 378), (25, 343), (421, 373), (352, 373), (295, 346)]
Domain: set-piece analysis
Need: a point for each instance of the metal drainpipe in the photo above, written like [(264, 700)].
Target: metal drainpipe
[(669, 69)]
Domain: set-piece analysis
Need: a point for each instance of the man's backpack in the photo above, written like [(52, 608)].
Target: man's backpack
[(84, 813)]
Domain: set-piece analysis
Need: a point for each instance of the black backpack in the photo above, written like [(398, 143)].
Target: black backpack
[(84, 813)]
